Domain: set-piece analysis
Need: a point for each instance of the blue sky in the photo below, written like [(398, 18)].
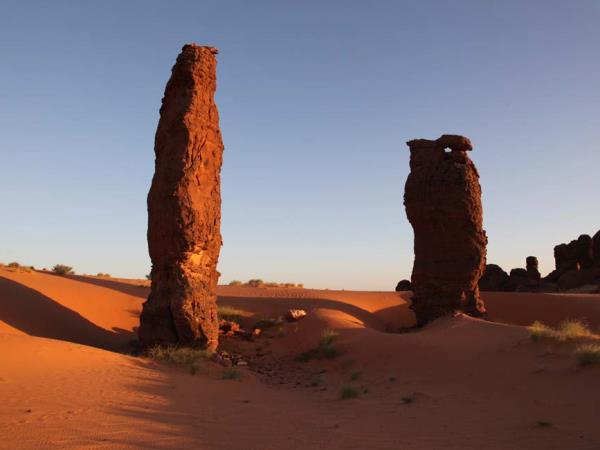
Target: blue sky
[(317, 100)]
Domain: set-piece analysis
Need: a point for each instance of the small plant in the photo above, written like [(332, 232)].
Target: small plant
[(235, 283), (324, 350), (230, 313), (572, 329), (14, 265), (543, 424), (61, 269), (355, 376), (256, 283), (539, 331), (569, 329), (148, 276), (231, 374), (348, 392), (105, 275), (588, 354), (185, 357)]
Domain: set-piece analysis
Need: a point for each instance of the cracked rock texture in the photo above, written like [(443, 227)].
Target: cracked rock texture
[(184, 208), (443, 204)]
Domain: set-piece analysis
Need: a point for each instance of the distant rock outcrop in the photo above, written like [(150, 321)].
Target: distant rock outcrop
[(184, 208), (493, 279), (403, 285), (443, 205), (577, 267)]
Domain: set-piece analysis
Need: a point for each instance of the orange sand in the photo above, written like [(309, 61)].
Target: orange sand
[(473, 384)]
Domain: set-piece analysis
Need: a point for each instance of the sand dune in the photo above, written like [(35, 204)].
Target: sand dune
[(458, 383)]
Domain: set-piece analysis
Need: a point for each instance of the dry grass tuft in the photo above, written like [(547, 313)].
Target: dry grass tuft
[(569, 329), (588, 354)]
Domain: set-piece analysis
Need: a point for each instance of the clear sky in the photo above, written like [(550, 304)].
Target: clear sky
[(317, 100)]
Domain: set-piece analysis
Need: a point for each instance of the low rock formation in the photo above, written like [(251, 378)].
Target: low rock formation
[(577, 267), (184, 208), (403, 285), (531, 266), (443, 204), (493, 278)]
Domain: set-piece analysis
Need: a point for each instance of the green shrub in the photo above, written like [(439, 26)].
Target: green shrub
[(256, 283), (14, 265), (235, 283), (61, 269), (324, 350)]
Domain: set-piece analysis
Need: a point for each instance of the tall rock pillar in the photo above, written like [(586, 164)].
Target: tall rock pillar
[(443, 204), (184, 208)]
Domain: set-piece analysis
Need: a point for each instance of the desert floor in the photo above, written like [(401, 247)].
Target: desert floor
[(459, 383)]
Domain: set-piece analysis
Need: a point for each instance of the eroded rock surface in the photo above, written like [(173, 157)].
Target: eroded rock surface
[(443, 204), (184, 208)]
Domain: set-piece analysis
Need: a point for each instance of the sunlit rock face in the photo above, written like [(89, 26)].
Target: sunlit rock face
[(443, 204), (184, 208)]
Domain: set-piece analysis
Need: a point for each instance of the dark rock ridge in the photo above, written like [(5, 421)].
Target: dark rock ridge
[(443, 204), (184, 208), (403, 285), (577, 267)]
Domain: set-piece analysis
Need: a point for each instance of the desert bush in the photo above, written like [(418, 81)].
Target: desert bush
[(185, 357), (230, 313), (324, 350), (255, 283), (539, 331), (61, 269), (348, 392), (16, 267), (235, 283), (569, 329), (572, 329), (105, 275), (588, 354)]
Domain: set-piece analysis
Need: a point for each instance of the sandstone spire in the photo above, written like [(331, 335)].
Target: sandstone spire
[(443, 204), (184, 208)]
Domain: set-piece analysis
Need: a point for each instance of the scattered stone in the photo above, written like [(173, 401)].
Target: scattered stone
[(294, 315), (184, 208), (443, 204)]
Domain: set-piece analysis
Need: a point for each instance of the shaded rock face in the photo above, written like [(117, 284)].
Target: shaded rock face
[(403, 285), (443, 204), (493, 278), (531, 265), (184, 208)]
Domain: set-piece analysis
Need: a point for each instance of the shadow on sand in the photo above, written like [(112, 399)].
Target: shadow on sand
[(37, 315)]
